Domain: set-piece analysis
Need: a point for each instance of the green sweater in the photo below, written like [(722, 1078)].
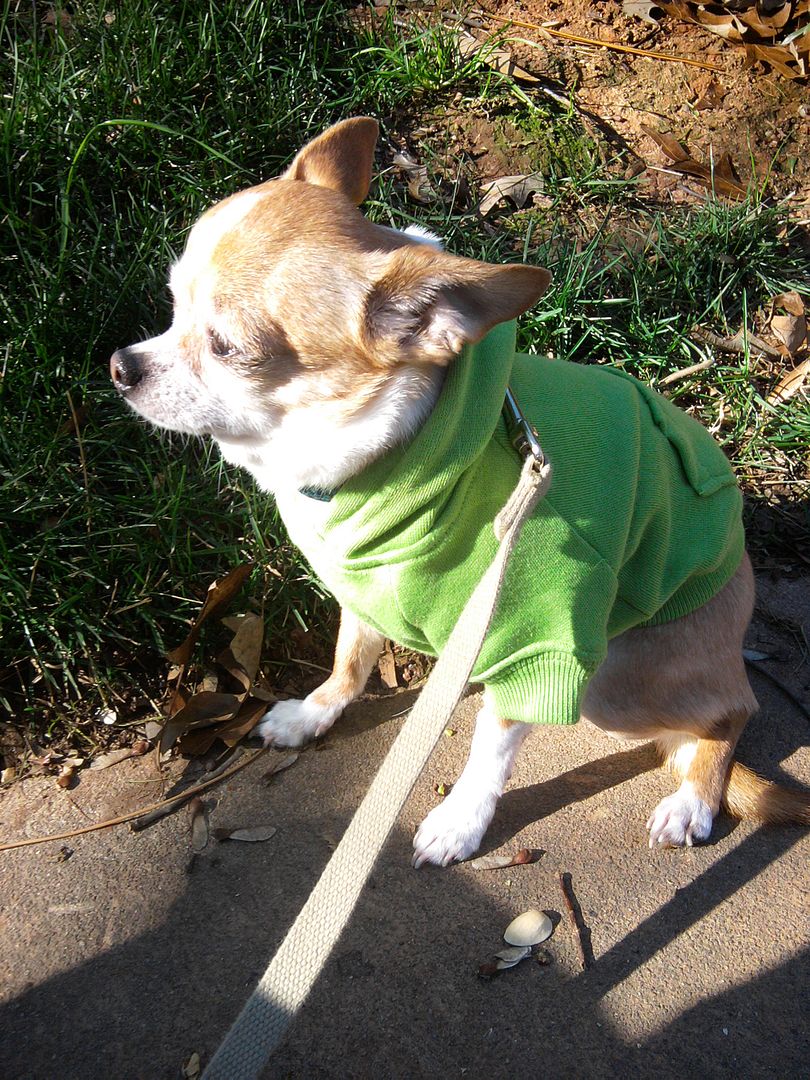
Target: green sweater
[(640, 526)]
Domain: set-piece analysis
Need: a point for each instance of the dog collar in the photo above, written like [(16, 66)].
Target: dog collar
[(321, 494), (522, 435)]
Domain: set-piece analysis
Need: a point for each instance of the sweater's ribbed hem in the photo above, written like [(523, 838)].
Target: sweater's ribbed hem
[(546, 688)]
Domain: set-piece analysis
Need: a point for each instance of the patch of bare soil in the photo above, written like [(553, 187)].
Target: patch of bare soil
[(753, 113)]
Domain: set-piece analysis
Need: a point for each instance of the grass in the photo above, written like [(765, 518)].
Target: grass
[(119, 128)]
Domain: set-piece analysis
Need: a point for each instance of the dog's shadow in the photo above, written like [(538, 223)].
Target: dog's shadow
[(523, 806)]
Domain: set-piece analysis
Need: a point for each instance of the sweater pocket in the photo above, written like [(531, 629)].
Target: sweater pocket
[(704, 464)]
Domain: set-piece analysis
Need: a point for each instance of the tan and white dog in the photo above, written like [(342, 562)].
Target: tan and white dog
[(278, 352)]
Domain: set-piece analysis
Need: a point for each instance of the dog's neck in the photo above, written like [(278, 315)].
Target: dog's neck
[(311, 449)]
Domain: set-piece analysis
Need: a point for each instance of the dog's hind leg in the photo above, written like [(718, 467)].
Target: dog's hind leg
[(687, 815), (292, 723), (684, 685)]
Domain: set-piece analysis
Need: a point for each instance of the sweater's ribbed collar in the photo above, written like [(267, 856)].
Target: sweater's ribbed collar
[(410, 482)]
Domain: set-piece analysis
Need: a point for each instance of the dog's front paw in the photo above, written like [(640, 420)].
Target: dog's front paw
[(293, 723), (680, 819), (453, 830)]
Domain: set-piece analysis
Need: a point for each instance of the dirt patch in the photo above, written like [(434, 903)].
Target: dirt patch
[(756, 115)]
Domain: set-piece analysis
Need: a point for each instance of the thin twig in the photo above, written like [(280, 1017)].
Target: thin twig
[(570, 906), (741, 342), (596, 43), (80, 444), (174, 802), (179, 799), (684, 373)]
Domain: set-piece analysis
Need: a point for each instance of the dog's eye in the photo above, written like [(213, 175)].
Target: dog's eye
[(219, 345)]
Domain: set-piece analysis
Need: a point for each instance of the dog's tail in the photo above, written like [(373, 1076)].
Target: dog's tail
[(750, 797)]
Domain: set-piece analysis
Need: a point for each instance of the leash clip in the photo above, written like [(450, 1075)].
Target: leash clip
[(522, 434)]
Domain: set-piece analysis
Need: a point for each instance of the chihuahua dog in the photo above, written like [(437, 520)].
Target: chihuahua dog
[(358, 373)]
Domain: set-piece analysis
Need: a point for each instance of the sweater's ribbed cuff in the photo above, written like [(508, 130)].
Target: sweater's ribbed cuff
[(546, 688)]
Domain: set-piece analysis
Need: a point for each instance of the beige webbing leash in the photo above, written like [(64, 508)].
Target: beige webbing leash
[(283, 988)]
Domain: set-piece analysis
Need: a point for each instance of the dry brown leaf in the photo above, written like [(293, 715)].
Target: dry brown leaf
[(493, 56), (671, 147), (246, 645), (243, 723), (219, 594), (722, 179), (791, 331), (790, 383), (757, 30), (518, 188), (199, 825), (67, 771), (254, 834), (498, 862), (419, 186), (280, 766), (202, 710), (387, 667), (112, 757), (790, 301), (192, 1069), (709, 93)]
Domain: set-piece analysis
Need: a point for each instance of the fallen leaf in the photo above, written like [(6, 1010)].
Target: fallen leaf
[(709, 93), (791, 331), (255, 834), (722, 179), (498, 862), (387, 667), (642, 9), (202, 710), (67, 771), (790, 383), (220, 593), (280, 766), (192, 1068), (243, 723), (518, 188), (494, 56), (7, 775), (671, 147), (245, 649), (199, 825), (791, 302), (112, 757)]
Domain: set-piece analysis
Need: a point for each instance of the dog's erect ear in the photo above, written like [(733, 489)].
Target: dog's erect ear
[(342, 158), (429, 305)]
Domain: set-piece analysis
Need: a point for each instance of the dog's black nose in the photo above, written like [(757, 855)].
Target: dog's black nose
[(126, 370)]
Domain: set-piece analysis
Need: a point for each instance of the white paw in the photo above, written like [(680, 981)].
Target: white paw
[(680, 819), (293, 723), (453, 830)]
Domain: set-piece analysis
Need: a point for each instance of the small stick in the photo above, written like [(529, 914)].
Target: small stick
[(571, 907), (684, 373), (596, 43), (175, 800), (80, 444)]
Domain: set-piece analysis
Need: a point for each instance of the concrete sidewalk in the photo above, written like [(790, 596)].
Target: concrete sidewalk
[(126, 957)]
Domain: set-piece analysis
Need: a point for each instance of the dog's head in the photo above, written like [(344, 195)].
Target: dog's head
[(287, 298)]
